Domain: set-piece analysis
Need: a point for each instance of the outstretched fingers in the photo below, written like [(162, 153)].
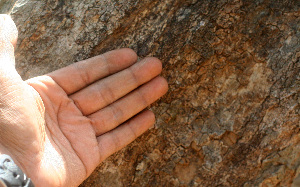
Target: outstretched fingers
[(108, 90), (81, 74), (118, 138), (120, 111)]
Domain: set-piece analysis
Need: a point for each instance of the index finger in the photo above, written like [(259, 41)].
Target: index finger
[(81, 74)]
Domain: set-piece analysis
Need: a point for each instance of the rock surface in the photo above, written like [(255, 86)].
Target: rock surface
[(231, 117), (6, 6)]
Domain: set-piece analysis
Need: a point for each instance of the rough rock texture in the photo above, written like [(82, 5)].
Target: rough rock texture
[(231, 117), (6, 6)]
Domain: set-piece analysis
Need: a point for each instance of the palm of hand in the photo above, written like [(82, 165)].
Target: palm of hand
[(70, 143), (74, 118)]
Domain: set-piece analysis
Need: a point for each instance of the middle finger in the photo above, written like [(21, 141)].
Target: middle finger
[(110, 89)]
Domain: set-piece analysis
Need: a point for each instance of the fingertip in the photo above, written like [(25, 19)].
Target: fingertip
[(148, 67), (163, 84), (155, 62), (159, 64), (128, 54), (150, 117), (120, 59), (131, 52), (144, 121)]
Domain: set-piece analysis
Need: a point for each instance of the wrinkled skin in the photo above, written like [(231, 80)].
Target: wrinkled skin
[(58, 127)]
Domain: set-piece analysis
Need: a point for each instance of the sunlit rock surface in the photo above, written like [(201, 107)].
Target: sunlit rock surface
[(231, 117)]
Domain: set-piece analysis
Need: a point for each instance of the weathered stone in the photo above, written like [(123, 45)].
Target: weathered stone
[(6, 6), (231, 117)]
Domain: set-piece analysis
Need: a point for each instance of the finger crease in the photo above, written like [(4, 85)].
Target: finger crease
[(84, 75), (117, 142), (134, 77), (117, 114), (77, 105), (94, 125), (143, 98), (108, 96), (133, 132), (107, 65)]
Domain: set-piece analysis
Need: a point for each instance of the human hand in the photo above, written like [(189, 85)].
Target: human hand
[(58, 127)]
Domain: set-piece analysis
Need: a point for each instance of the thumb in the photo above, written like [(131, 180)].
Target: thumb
[(11, 83), (8, 29), (8, 40)]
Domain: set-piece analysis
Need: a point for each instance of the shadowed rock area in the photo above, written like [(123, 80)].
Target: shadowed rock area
[(231, 116)]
